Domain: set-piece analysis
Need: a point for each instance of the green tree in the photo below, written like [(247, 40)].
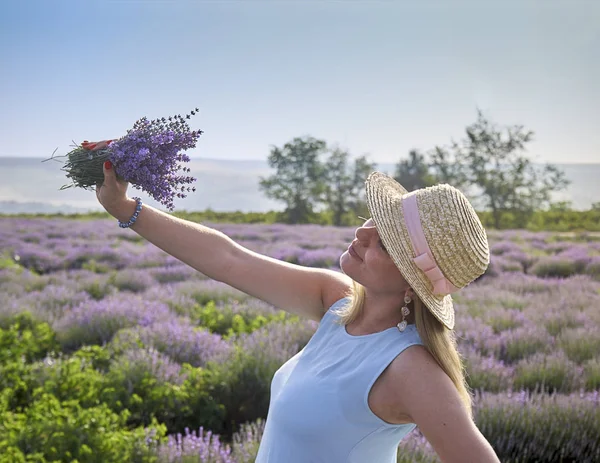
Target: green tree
[(414, 173), (445, 168), (561, 206), (344, 193), (491, 166), (299, 178)]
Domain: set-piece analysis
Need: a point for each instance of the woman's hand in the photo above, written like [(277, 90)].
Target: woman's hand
[(112, 192)]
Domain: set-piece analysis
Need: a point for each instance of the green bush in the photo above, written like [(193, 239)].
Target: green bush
[(565, 220), (242, 386), (242, 382), (579, 344), (224, 321), (97, 267), (99, 289), (522, 346), (16, 381), (553, 267), (487, 379), (138, 386), (98, 357), (69, 379), (51, 430), (7, 261), (26, 339), (555, 373)]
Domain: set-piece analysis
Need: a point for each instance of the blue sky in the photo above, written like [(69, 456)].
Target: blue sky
[(376, 78)]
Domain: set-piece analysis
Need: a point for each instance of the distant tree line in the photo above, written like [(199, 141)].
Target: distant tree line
[(586, 224), (323, 184), (489, 165)]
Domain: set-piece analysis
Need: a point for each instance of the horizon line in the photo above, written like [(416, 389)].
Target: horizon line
[(582, 163)]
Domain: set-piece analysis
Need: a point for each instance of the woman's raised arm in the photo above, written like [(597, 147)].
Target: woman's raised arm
[(201, 247), (306, 291)]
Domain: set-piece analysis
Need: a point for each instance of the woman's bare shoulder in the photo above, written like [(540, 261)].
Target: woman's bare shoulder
[(415, 365), (337, 287), (387, 398), (427, 395)]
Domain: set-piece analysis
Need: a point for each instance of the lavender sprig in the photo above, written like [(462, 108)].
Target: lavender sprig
[(149, 157)]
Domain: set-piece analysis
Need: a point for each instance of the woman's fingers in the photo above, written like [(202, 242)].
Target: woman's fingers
[(110, 178), (95, 146), (99, 185)]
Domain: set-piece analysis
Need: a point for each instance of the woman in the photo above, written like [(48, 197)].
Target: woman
[(383, 359)]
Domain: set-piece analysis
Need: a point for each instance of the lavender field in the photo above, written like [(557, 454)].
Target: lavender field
[(160, 363)]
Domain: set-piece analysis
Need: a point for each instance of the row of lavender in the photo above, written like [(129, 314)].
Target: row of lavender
[(50, 245), (515, 331), (520, 328)]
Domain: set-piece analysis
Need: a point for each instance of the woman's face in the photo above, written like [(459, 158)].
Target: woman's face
[(371, 266)]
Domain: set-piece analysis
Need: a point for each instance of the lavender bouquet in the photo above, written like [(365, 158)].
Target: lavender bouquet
[(149, 157)]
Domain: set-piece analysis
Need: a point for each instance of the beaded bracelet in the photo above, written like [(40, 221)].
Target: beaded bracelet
[(134, 217)]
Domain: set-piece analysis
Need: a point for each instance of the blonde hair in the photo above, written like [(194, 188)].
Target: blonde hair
[(438, 340)]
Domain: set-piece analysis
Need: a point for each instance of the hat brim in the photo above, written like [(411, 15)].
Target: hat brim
[(384, 200)]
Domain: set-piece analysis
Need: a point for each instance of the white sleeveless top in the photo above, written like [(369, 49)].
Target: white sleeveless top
[(319, 408)]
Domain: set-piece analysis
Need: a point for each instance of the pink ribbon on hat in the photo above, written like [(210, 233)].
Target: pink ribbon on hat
[(424, 257)]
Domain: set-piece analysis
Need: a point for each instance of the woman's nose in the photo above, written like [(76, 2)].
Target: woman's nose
[(361, 234)]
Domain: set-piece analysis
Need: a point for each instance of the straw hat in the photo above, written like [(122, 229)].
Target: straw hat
[(452, 250)]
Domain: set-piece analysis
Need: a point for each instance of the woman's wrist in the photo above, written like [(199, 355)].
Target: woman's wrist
[(133, 219), (124, 210)]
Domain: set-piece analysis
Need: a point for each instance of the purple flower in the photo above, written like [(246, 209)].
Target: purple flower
[(173, 273), (486, 372), (50, 303), (150, 155), (554, 424), (185, 343), (277, 342), (503, 247), (96, 322), (201, 446), (133, 280), (137, 363), (246, 441), (415, 447), (322, 257), (553, 372)]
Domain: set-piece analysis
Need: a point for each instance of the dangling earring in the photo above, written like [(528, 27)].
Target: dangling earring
[(405, 313)]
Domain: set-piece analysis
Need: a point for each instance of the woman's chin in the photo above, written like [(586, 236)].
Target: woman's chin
[(345, 259)]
